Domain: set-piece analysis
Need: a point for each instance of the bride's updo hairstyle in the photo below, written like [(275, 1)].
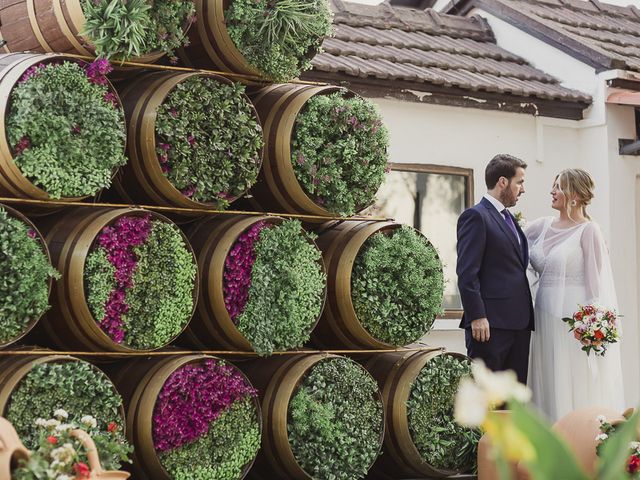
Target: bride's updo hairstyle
[(579, 183)]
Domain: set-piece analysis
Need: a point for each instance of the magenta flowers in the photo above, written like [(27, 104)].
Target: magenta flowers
[(237, 269), (192, 398), (118, 241)]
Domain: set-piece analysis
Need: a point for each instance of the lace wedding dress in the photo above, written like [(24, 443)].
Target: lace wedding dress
[(572, 268)]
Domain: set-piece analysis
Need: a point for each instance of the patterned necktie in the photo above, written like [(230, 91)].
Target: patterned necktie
[(509, 221)]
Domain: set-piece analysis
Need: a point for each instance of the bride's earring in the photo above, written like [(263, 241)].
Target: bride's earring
[(573, 203)]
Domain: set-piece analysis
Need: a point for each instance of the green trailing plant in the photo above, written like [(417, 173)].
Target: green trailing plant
[(230, 445), (124, 29), (441, 442), (339, 151), (397, 286), (336, 421), (25, 271), (278, 37), (209, 140), (66, 129), (75, 386), (286, 291)]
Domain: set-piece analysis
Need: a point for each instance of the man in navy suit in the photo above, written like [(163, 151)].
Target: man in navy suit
[(492, 261)]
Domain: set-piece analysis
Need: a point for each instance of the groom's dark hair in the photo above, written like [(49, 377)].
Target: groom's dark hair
[(502, 165)]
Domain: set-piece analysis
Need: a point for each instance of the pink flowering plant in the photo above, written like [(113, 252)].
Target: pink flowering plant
[(274, 285), (121, 30), (25, 271), (209, 140), (66, 127), (206, 423), (339, 152), (594, 327), (140, 278)]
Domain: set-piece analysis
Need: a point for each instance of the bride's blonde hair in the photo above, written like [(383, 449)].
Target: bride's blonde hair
[(578, 182)]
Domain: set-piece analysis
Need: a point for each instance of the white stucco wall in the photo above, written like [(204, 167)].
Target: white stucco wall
[(469, 138)]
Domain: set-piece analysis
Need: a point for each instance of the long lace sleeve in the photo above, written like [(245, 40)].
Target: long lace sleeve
[(533, 231), (597, 268)]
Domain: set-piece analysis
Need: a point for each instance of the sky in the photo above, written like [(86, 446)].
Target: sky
[(614, 2)]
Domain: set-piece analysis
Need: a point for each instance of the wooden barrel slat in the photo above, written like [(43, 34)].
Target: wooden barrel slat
[(141, 181), (396, 373), (212, 240), (70, 238), (140, 383)]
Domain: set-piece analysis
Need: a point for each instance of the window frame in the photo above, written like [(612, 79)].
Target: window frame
[(467, 174)]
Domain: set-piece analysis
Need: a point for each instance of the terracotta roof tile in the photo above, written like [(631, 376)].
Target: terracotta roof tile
[(599, 34), (424, 47)]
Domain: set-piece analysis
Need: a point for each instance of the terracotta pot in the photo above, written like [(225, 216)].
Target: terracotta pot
[(580, 428)]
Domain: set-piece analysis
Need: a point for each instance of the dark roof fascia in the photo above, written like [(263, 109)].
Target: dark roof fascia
[(452, 96), (562, 41)]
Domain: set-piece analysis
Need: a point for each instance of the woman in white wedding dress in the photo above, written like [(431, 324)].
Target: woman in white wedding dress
[(571, 262)]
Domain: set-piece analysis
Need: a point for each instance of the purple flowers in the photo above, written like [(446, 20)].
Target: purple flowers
[(22, 145), (31, 72), (97, 71), (237, 270), (192, 398), (118, 241)]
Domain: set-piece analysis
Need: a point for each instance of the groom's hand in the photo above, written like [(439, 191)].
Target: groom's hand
[(480, 329)]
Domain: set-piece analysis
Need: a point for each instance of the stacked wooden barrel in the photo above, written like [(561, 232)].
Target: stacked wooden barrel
[(55, 31)]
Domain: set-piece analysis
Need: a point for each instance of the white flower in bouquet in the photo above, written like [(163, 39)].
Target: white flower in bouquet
[(61, 414), (89, 421)]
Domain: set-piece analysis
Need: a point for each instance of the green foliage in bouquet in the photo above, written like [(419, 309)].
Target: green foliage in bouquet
[(209, 140), (339, 152), (441, 442), (286, 292), (75, 386), (66, 131), (397, 286), (336, 420), (278, 37), (123, 29), (24, 277), (61, 455), (232, 442)]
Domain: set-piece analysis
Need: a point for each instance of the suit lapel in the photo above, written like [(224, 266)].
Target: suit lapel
[(505, 229)]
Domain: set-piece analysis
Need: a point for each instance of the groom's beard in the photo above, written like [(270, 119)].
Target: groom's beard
[(508, 199)]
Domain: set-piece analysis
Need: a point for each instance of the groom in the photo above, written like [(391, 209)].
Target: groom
[(492, 263)]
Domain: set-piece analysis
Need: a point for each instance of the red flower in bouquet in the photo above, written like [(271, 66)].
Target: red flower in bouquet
[(594, 327)]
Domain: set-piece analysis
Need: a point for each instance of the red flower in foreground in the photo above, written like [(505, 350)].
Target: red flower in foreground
[(52, 440), (82, 470), (633, 465), (112, 427), (599, 335)]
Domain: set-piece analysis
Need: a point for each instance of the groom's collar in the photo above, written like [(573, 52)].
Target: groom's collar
[(495, 202)]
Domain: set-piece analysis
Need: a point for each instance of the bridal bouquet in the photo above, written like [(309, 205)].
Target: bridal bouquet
[(594, 327)]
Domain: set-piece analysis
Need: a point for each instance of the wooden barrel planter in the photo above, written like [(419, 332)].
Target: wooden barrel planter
[(37, 236), (72, 239), (339, 325), (310, 182), (278, 380), (143, 180), (144, 388), (396, 374), (210, 44), (103, 403), (50, 26), (12, 181), (213, 240)]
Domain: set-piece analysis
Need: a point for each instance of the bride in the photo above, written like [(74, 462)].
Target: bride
[(571, 262)]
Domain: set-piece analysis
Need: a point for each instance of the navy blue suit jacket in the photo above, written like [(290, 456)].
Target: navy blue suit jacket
[(492, 269)]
